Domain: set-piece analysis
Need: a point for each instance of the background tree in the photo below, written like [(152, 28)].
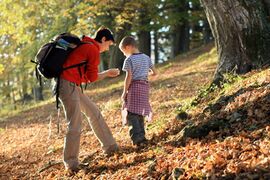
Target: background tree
[(38, 22), (180, 27), (241, 32)]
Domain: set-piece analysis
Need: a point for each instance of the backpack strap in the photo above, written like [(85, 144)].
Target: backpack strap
[(57, 92), (58, 81), (76, 65)]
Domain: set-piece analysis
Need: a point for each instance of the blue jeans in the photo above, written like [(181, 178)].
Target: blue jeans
[(136, 127)]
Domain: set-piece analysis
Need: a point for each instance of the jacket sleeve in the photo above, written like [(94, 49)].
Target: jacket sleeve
[(93, 58)]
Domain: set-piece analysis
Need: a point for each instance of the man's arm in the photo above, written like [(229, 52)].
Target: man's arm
[(108, 73)]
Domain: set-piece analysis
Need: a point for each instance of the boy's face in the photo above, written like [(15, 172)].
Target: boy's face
[(127, 50)]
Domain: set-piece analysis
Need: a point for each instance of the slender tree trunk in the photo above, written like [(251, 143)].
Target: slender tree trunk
[(38, 90), (207, 34), (104, 64), (241, 32), (266, 4), (8, 89), (144, 34), (145, 42), (180, 31), (180, 38), (38, 93), (156, 47), (117, 57)]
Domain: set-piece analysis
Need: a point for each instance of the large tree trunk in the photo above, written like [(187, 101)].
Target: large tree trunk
[(241, 32)]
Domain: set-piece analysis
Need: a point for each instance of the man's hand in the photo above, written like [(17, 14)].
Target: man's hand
[(112, 72), (108, 73)]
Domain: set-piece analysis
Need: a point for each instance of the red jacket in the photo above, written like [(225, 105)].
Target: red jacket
[(85, 52)]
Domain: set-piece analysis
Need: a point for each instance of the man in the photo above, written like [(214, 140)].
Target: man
[(75, 101)]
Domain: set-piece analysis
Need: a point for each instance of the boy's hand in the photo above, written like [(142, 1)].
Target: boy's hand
[(113, 72), (153, 71)]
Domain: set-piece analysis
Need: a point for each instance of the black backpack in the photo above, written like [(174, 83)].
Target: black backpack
[(51, 56)]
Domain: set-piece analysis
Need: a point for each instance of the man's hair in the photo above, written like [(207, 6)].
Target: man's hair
[(104, 32), (128, 41)]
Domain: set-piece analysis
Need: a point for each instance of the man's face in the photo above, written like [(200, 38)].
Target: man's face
[(105, 45)]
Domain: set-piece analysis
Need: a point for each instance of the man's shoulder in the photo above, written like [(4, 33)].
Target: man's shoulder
[(88, 47)]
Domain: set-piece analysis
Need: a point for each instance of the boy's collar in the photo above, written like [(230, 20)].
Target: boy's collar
[(136, 53)]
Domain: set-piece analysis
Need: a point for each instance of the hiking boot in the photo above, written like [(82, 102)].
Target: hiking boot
[(111, 150)]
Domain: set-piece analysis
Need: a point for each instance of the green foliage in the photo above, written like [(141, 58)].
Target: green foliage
[(14, 109), (205, 92), (26, 25), (157, 124), (1, 69), (230, 78)]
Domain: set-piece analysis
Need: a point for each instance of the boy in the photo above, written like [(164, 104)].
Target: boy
[(135, 95)]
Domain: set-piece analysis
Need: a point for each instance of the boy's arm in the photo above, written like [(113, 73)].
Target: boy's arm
[(126, 84)]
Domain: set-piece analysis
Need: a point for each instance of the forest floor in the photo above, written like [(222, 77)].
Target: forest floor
[(237, 147)]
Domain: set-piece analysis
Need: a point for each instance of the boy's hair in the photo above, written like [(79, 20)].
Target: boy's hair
[(104, 32), (128, 41)]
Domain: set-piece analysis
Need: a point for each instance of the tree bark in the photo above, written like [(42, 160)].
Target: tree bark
[(116, 56), (156, 47), (144, 34), (38, 93), (242, 34), (104, 62), (266, 4), (207, 34), (180, 38), (145, 42), (180, 31)]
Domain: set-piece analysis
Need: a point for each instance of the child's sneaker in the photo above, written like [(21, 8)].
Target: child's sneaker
[(141, 143)]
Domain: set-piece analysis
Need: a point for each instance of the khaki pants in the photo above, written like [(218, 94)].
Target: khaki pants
[(74, 101)]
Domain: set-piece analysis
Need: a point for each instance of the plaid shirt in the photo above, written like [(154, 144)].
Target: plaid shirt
[(137, 100)]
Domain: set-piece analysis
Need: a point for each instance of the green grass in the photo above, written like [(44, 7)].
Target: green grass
[(166, 66), (211, 55), (158, 124), (112, 105), (12, 110)]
